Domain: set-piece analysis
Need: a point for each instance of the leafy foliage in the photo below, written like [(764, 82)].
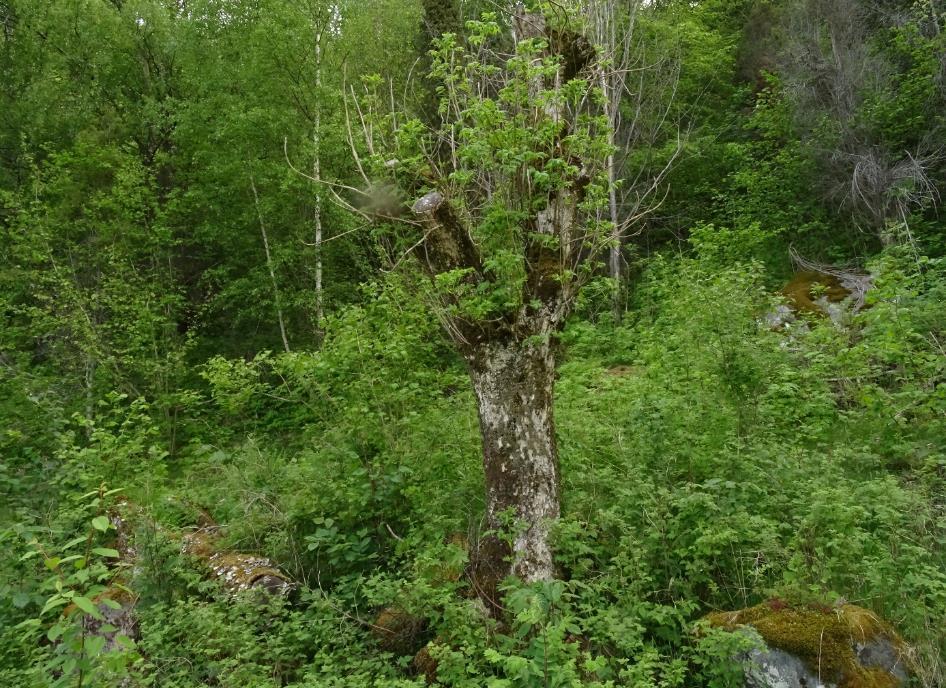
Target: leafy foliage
[(709, 462)]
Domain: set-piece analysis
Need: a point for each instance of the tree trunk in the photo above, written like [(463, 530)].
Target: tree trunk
[(617, 307), (269, 265), (614, 258), (317, 175), (514, 383)]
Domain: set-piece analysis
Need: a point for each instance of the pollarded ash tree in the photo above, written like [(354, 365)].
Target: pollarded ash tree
[(503, 207)]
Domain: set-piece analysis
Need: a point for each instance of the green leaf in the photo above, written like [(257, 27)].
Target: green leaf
[(85, 604), (73, 543), (53, 602), (105, 552), (20, 600), (94, 644), (100, 523), (125, 641), (29, 623), (54, 632)]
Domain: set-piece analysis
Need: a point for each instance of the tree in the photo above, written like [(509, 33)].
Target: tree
[(506, 223), (637, 118)]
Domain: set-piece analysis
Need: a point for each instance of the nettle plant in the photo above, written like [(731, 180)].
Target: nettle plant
[(80, 590), (501, 203)]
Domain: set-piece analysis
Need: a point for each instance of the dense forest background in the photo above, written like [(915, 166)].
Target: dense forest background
[(210, 321)]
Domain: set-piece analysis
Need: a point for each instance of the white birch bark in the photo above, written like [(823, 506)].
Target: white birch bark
[(317, 175), (269, 265)]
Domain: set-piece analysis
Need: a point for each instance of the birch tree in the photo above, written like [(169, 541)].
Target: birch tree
[(637, 119)]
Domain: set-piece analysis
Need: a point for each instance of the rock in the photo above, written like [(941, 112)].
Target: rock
[(814, 646), (828, 291), (781, 317)]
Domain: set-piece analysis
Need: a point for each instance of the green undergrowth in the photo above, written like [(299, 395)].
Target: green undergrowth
[(708, 463)]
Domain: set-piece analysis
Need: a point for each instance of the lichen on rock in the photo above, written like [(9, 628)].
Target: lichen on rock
[(844, 646)]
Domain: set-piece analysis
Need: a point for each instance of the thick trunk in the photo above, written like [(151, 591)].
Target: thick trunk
[(514, 383)]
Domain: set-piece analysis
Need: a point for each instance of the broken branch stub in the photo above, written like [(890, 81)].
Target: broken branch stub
[(447, 244)]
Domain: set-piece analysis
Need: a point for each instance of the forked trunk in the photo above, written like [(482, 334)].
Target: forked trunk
[(514, 383)]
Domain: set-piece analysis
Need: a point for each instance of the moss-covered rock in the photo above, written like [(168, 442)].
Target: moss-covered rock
[(832, 292), (815, 645)]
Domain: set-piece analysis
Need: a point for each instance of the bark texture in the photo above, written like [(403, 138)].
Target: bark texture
[(514, 385)]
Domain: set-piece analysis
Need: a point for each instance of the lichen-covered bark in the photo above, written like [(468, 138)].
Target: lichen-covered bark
[(514, 383), (510, 352), (236, 570)]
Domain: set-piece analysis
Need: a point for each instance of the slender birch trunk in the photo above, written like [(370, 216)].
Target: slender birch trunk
[(90, 367), (269, 265), (317, 175), (615, 253)]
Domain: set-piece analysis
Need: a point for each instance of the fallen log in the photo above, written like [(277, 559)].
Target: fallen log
[(237, 571)]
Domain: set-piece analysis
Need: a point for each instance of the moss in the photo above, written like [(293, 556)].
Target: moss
[(400, 632), (825, 638), (874, 677), (800, 291), (424, 664), (200, 543)]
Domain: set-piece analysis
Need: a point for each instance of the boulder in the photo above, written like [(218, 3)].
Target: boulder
[(826, 290), (816, 646)]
